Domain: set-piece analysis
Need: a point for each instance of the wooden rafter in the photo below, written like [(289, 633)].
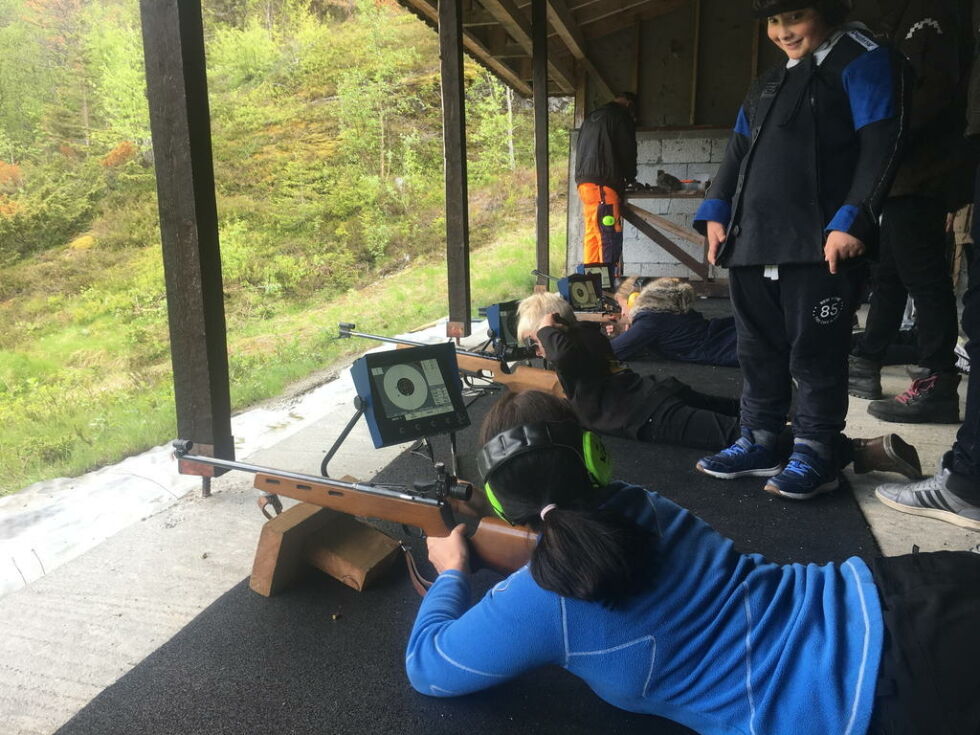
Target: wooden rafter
[(568, 30), (474, 47), (517, 25)]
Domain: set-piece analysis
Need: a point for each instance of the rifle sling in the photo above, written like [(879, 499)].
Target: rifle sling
[(420, 583)]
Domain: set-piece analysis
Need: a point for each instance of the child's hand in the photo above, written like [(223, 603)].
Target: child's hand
[(841, 246), (548, 320), (449, 552), (716, 236)]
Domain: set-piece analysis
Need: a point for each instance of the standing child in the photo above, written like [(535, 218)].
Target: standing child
[(793, 208)]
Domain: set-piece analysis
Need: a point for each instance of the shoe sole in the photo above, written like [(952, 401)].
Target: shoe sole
[(827, 487), (865, 394), (936, 418), (761, 472), (937, 513)]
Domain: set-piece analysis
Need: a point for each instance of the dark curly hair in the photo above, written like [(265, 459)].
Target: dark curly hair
[(585, 551)]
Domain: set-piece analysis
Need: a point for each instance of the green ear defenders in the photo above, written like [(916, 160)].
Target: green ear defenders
[(519, 440)]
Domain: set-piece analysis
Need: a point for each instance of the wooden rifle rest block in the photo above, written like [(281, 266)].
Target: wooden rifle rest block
[(306, 535)]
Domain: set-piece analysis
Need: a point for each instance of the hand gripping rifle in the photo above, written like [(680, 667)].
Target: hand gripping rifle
[(435, 508), (481, 366)]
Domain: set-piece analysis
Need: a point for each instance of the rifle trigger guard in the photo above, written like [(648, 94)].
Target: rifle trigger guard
[(267, 499)]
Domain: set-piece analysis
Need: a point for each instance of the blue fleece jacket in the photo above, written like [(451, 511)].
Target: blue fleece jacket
[(722, 642)]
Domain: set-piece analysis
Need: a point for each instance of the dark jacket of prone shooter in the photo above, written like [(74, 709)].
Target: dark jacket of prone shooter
[(606, 150), (607, 396), (813, 149)]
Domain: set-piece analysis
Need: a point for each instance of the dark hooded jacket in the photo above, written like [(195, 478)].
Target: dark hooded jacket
[(606, 149), (936, 37)]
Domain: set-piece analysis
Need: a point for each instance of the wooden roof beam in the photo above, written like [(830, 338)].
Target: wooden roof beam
[(564, 24), (649, 9), (517, 25), (476, 48)]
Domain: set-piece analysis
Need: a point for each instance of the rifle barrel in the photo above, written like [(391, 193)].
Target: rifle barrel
[(311, 479), (412, 343)]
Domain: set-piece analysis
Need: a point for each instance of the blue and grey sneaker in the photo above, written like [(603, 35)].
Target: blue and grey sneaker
[(744, 458), (806, 475)]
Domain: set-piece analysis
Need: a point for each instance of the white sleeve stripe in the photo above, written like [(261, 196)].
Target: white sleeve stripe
[(613, 649), (748, 657), (864, 653), (458, 665), (564, 628)]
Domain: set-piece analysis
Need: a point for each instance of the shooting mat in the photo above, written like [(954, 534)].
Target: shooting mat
[(323, 658)]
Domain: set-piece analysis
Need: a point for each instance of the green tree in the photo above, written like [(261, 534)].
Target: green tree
[(24, 81), (113, 48)]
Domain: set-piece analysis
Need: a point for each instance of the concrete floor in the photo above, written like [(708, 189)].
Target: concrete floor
[(75, 629)]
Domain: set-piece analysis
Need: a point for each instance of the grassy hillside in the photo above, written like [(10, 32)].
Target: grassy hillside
[(328, 163)]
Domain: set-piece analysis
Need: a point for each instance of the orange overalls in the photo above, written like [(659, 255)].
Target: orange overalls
[(603, 242)]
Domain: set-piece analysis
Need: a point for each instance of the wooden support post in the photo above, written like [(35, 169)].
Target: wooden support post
[(307, 536), (539, 85), (454, 141), (173, 44)]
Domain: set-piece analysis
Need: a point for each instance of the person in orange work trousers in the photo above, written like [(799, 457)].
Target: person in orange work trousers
[(605, 162)]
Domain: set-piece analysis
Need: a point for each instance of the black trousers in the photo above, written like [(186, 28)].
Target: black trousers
[(965, 468), (797, 326), (927, 680), (692, 419), (912, 262)]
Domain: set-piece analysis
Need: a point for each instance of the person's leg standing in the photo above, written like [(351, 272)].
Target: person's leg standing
[(763, 348), (763, 354), (953, 493), (611, 228), (917, 238), (964, 480), (592, 237), (888, 294), (818, 307)]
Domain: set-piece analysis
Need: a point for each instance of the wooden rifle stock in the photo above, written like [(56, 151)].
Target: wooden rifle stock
[(520, 378), (427, 514), (494, 543)]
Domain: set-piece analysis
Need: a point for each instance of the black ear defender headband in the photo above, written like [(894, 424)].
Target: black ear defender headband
[(521, 440)]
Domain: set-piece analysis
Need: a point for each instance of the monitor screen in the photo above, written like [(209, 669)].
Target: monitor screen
[(410, 393), (606, 272), (582, 291), (502, 323)]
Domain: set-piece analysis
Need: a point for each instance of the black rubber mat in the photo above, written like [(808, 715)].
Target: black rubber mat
[(322, 658)]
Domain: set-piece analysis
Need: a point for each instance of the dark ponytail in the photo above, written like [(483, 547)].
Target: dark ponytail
[(584, 552), (592, 555)]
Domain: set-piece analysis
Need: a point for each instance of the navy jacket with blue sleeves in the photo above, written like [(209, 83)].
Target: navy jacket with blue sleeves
[(815, 147)]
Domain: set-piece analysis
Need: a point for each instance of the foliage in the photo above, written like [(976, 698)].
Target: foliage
[(328, 160)]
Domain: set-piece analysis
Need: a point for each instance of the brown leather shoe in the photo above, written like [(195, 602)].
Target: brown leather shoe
[(888, 453)]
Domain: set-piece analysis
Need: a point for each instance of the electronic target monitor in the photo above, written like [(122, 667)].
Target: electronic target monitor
[(606, 271), (582, 290), (407, 394), (502, 323)]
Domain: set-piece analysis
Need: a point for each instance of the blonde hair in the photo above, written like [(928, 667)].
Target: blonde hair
[(626, 287), (665, 294), (533, 309)]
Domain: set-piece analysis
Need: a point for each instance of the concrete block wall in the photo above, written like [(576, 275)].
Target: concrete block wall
[(686, 154)]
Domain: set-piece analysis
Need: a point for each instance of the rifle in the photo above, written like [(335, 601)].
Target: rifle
[(480, 365), (435, 508)]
